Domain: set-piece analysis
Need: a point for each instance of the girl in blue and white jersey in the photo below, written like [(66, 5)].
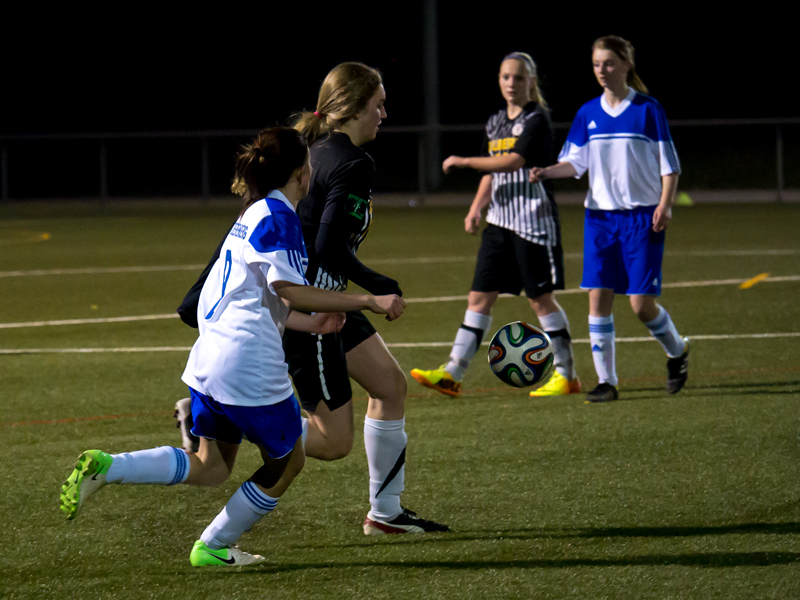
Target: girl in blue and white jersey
[(236, 372), (623, 140)]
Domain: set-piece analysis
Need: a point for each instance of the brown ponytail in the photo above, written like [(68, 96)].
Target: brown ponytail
[(268, 163), (624, 49), (343, 94)]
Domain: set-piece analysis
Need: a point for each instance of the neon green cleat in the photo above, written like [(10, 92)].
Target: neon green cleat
[(88, 476), (558, 385), (203, 556), (439, 380)]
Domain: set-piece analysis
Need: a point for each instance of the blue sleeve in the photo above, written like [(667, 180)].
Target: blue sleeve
[(278, 231)]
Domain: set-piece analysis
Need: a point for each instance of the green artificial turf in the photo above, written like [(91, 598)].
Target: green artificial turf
[(653, 496)]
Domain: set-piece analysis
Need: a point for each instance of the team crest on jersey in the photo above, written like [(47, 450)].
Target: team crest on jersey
[(357, 206), (517, 129)]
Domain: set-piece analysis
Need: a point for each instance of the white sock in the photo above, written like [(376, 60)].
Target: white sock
[(245, 508), (664, 330), (161, 466), (385, 442), (602, 337), (556, 325), (467, 342)]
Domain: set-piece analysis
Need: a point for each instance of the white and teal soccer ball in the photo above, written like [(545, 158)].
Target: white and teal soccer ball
[(521, 354)]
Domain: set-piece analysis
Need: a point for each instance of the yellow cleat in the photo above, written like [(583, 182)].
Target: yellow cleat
[(558, 385), (439, 380)]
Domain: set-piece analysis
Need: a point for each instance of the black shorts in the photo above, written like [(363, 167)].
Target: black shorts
[(317, 363), (508, 263)]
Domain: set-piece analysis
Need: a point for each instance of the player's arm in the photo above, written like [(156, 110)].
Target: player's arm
[(482, 199), (308, 298), (319, 323), (663, 213), (560, 170), (503, 163), (340, 219)]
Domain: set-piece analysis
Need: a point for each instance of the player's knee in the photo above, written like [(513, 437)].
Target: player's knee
[(337, 447)]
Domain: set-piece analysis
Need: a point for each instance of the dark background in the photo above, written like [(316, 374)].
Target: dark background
[(249, 68)]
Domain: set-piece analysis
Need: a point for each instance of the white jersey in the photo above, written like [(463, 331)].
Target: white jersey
[(238, 358), (626, 150)]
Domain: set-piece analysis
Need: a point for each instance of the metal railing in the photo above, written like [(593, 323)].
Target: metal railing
[(421, 132)]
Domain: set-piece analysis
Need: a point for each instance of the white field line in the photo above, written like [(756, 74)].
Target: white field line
[(100, 271), (88, 321), (377, 261), (710, 337), (684, 284)]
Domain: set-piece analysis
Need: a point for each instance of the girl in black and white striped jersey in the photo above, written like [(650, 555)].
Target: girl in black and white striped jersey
[(521, 246)]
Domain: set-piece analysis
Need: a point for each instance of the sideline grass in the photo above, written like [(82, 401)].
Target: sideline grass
[(692, 496)]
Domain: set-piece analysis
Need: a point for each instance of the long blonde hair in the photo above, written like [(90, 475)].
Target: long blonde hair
[(530, 67), (343, 94), (624, 49)]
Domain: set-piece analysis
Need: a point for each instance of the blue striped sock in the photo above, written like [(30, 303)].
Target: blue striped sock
[(160, 466), (245, 508), (603, 338)]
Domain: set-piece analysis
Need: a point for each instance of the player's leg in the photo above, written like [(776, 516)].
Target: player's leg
[(643, 254), (157, 466), (375, 369), (603, 275), (473, 330), (542, 271), (276, 430), (318, 368), (496, 271)]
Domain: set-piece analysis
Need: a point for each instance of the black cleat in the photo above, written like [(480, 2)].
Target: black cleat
[(678, 370), (603, 392), (406, 522)]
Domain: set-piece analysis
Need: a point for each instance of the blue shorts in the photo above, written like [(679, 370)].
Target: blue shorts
[(276, 427), (621, 251)]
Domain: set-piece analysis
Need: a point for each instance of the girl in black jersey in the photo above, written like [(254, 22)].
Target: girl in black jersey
[(335, 217), (521, 245)]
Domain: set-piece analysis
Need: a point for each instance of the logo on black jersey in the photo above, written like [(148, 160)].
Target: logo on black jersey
[(517, 129), (502, 145), (357, 206)]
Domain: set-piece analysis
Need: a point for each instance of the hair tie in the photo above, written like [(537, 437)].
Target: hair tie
[(316, 114)]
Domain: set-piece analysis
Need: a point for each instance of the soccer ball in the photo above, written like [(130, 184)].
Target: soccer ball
[(521, 354)]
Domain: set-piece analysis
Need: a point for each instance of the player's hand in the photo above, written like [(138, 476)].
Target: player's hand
[(536, 174), (450, 163), (661, 217), (392, 306), (472, 222), (322, 323)]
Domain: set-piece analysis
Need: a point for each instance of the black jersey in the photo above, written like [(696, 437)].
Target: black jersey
[(526, 208), (336, 215)]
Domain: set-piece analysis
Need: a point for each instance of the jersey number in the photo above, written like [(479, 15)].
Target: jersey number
[(226, 273)]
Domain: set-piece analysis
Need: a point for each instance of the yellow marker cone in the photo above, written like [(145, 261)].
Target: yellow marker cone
[(683, 199), (751, 282)]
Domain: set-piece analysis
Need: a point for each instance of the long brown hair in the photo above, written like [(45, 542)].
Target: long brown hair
[(624, 49), (343, 94), (268, 163)]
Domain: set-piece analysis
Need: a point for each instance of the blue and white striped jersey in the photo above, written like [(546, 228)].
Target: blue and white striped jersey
[(238, 358), (626, 150)]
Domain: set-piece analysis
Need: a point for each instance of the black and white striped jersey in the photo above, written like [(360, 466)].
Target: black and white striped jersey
[(336, 215), (526, 208)]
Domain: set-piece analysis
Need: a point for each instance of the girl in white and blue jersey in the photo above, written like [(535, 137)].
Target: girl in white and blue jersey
[(622, 139), (236, 372)]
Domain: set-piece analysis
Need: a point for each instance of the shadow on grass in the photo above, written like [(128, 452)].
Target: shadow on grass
[(603, 532), (713, 560)]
